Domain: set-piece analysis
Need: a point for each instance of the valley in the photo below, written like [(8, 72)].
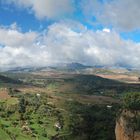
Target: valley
[(60, 105)]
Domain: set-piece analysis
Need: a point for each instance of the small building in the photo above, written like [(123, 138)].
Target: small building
[(57, 125), (109, 106), (38, 95)]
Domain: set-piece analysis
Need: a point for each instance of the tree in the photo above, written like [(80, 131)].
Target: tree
[(132, 101), (11, 93), (22, 106)]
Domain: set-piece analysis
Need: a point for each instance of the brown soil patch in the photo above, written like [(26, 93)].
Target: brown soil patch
[(4, 94), (121, 77)]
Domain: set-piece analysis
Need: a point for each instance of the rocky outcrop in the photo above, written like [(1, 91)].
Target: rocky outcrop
[(125, 128)]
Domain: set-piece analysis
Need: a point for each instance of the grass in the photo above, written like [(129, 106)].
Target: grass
[(4, 135), (12, 101)]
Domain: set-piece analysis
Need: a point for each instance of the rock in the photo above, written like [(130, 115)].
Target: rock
[(124, 130)]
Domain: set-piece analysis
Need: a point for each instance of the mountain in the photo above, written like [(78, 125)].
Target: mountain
[(71, 67), (74, 66), (62, 66)]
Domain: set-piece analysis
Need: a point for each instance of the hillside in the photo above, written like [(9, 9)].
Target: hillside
[(64, 82), (94, 84), (7, 80)]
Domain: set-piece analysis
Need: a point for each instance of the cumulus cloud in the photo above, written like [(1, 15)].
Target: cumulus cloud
[(63, 43), (121, 14), (18, 49), (12, 37), (46, 8), (92, 48)]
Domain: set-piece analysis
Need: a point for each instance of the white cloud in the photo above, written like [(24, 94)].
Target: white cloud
[(121, 14), (62, 42), (18, 49), (12, 37), (106, 30), (46, 8)]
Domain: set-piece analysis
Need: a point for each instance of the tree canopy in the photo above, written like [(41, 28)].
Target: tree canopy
[(131, 101)]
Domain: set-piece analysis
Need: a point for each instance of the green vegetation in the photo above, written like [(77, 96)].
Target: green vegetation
[(5, 79), (30, 118), (88, 122), (60, 107), (131, 102)]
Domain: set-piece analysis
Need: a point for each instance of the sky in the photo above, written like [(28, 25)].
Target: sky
[(36, 33)]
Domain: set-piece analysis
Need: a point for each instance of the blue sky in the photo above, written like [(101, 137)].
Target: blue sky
[(10, 14), (59, 28)]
